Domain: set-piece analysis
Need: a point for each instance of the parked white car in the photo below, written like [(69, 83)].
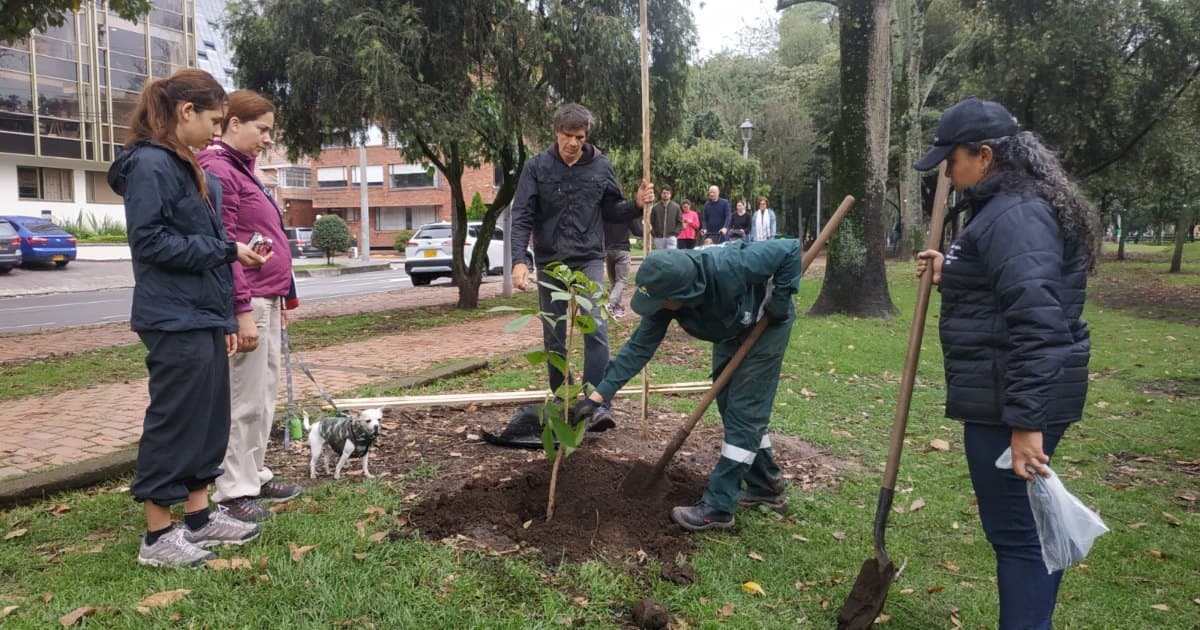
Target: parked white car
[(427, 255)]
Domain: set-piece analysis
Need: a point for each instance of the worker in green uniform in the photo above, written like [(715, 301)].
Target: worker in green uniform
[(717, 294)]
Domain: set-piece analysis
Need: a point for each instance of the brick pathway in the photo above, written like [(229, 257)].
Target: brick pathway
[(73, 426)]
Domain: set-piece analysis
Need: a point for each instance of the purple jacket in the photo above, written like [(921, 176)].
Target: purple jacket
[(247, 209)]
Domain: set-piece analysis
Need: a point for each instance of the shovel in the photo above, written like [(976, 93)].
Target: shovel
[(643, 476), (876, 575)]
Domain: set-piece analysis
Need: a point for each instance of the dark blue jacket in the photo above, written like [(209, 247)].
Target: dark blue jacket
[(1015, 344), (181, 255), (564, 208), (715, 216)]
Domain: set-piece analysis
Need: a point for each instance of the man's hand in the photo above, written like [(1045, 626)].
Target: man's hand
[(927, 257), (723, 230), (231, 347), (284, 319), (247, 334), (249, 258), (1027, 454), (645, 194), (520, 276), (582, 410)]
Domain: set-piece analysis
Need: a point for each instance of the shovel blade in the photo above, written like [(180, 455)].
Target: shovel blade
[(640, 480), (868, 595)]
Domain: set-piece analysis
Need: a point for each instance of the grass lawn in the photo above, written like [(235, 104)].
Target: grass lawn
[(1135, 458)]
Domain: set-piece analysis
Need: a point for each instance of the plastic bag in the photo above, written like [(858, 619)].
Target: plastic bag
[(1065, 526)]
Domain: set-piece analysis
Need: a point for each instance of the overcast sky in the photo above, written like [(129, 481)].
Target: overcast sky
[(718, 21)]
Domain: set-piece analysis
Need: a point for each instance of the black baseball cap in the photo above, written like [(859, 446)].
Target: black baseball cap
[(969, 120)]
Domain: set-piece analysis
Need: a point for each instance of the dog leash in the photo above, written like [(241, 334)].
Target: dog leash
[(287, 347), (291, 395)]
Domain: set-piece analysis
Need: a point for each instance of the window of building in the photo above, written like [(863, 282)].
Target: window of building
[(208, 43), (413, 176), (374, 175), (98, 190), (351, 214), (404, 218), (46, 184), (331, 177), (203, 54), (295, 177)]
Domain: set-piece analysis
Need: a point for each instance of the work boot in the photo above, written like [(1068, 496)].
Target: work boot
[(172, 549), (245, 509), (601, 419), (777, 501), (222, 529), (277, 492), (701, 517)]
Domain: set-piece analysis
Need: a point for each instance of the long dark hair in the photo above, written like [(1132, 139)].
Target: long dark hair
[(154, 117), (1023, 165)]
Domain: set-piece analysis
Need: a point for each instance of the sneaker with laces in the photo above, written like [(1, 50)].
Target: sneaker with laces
[(278, 492), (618, 311), (611, 309), (172, 549), (701, 517), (222, 529), (245, 509)]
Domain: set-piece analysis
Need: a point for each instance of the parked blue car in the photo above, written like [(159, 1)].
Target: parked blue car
[(42, 241)]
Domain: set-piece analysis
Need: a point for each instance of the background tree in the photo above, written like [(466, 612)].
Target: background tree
[(460, 83), (689, 171), (331, 234), (855, 280), (21, 17)]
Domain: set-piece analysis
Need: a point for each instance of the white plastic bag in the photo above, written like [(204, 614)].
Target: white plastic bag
[(1065, 525)]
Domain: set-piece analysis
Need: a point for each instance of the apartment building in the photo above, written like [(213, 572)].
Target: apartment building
[(65, 96)]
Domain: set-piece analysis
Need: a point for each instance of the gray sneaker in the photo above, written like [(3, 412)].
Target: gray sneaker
[(246, 509), (172, 549), (222, 529)]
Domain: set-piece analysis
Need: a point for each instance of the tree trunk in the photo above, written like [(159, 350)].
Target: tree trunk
[(855, 276), (1183, 225), (1120, 240), (912, 213)]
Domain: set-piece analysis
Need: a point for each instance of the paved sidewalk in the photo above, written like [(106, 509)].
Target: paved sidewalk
[(49, 431)]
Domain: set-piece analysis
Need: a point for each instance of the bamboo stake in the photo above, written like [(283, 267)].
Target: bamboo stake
[(647, 231), (501, 398)]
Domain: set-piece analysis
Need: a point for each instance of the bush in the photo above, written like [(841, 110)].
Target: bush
[(401, 241), (331, 234), (87, 228), (477, 209)]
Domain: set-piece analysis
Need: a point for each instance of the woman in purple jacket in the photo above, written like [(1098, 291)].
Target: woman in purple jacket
[(260, 296)]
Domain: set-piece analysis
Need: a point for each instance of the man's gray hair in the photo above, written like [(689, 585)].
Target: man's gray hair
[(573, 116)]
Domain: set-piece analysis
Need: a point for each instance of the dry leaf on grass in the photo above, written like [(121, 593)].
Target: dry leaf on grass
[(1172, 519), (939, 444), (165, 598), (1162, 607), (753, 588), (725, 611), (16, 533), (7, 611), (375, 509), (298, 552), (60, 509), (377, 536), (46, 597), (360, 556), (949, 566), (799, 537), (74, 616), (916, 505), (906, 591), (754, 555), (1185, 496), (933, 589), (224, 564), (839, 535)]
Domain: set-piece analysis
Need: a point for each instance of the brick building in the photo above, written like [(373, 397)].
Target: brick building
[(402, 196)]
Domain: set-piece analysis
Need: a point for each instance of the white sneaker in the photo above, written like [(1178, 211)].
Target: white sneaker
[(172, 549)]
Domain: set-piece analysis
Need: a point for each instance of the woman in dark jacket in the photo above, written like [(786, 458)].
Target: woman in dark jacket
[(183, 313), (1015, 345)]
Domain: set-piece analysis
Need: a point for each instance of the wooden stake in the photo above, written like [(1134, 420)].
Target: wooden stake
[(501, 398), (647, 232)]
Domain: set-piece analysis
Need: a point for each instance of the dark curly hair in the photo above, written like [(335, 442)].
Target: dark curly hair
[(1023, 165)]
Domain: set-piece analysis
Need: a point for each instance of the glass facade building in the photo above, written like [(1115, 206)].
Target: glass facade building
[(66, 96)]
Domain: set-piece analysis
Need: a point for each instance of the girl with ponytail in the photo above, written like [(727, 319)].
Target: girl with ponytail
[(183, 313)]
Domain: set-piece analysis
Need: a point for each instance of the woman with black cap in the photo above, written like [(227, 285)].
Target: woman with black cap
[(1015, 345)]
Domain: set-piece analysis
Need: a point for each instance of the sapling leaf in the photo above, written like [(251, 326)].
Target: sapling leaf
[(560, 296), (548, 440), (584, 303), (518, 323), (550, 285), (557, 361), (536, 357), (585, 324)]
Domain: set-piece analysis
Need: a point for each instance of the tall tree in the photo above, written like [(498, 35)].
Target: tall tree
[(21, 17), (855, 277), (459, 83)]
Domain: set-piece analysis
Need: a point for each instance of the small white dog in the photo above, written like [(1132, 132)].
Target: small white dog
[(351, 436)]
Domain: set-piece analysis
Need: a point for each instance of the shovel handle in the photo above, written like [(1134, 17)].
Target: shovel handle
[(727, 373), (911, 357)]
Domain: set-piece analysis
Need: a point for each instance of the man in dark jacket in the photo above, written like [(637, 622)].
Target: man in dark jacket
[(714, 218), (666, 221), (565, 195), (717, 294)]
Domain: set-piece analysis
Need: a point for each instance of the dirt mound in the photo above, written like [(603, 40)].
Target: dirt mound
[(476, 495)]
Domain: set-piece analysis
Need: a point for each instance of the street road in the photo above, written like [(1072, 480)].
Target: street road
[(63, 310)]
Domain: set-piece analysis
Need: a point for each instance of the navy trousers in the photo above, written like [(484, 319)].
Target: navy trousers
[(595, 344), (1027, 592)]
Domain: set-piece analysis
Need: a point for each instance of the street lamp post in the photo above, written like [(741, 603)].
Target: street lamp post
[(747, 128)]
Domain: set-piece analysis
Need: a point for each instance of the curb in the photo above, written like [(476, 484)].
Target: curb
[(338, 271), (37, 486)]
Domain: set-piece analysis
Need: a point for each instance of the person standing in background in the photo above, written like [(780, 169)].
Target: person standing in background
[(666, 221), (715, 216), (691, 224), (763, 227)]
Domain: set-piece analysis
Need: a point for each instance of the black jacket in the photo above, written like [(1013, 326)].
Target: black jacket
[(564, 207), (1016, 347), (616, 235), (181, 256)]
